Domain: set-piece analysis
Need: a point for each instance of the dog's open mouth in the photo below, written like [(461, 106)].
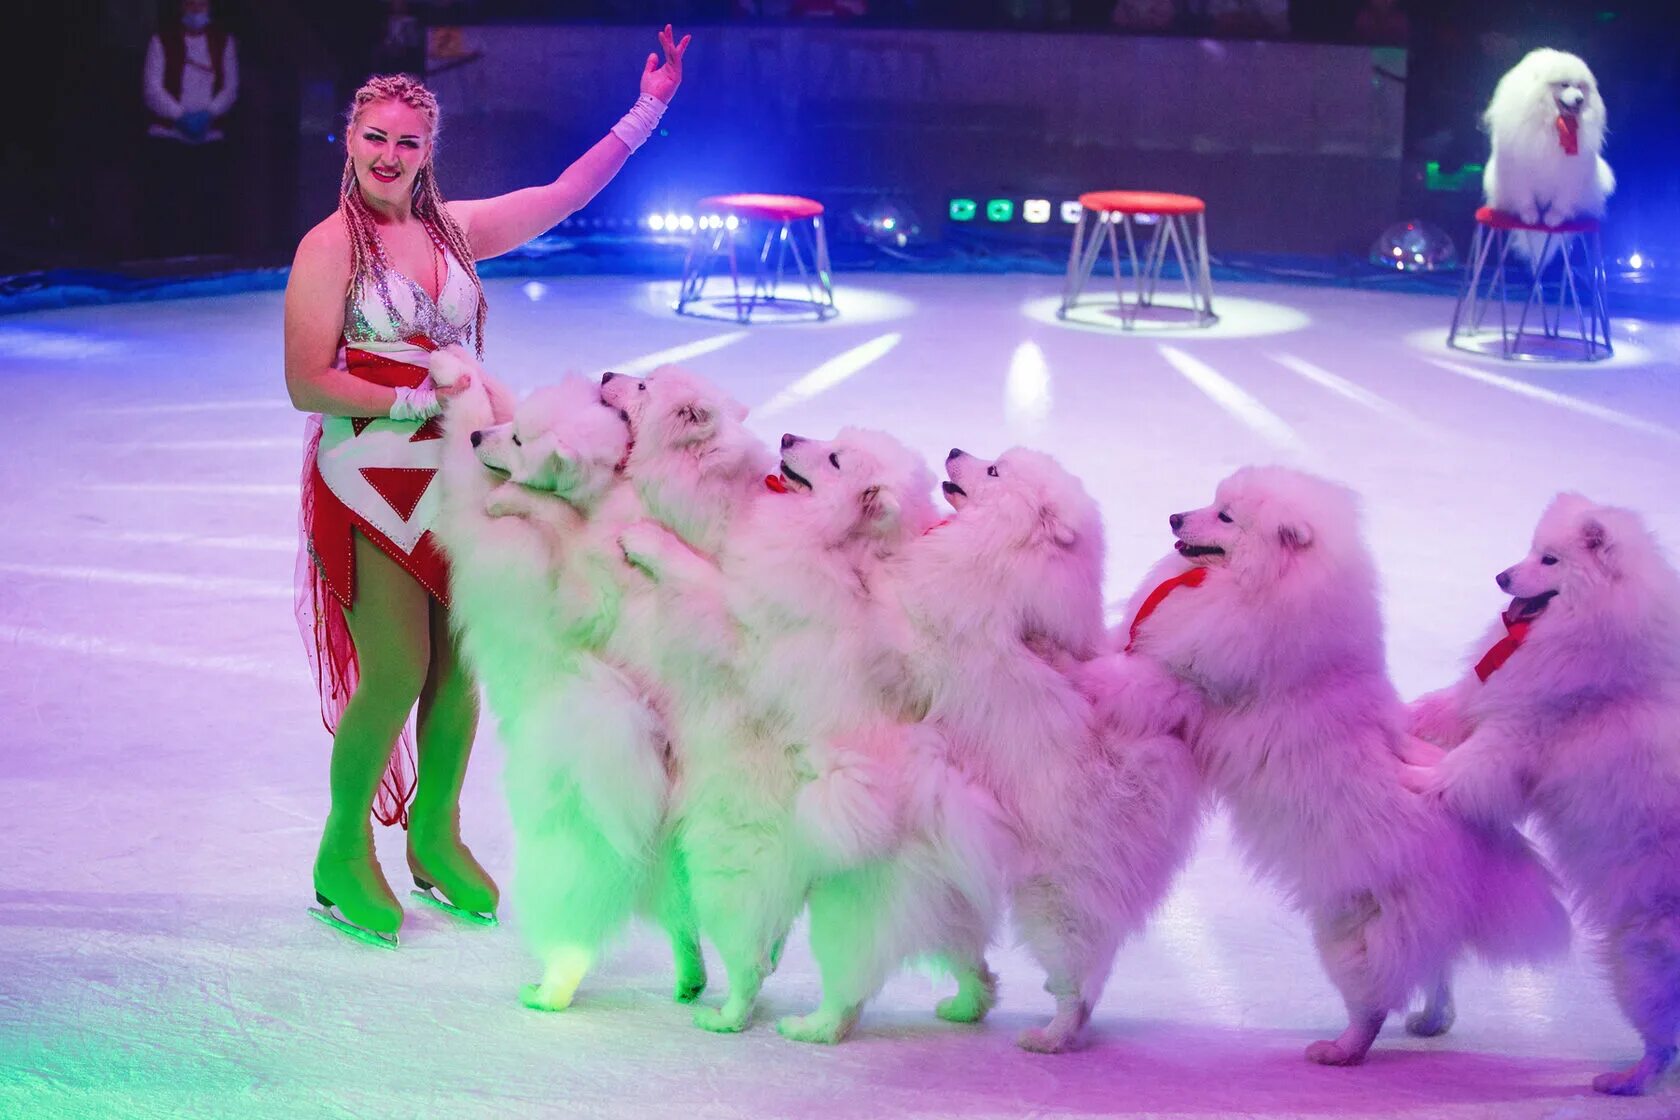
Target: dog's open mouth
[(1192, 551), (789, 475), (1522, 610), (954, 494)]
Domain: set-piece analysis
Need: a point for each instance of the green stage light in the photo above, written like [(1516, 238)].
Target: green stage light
[(1000, 210), (962, 209)]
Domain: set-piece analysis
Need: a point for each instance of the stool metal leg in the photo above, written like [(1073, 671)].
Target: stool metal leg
[(1204, 266), (1600, 281), (1075, 258), (697, 266), (1125, 222), (825, 272), (1179, 226), (1087, 262), (1469, 290)]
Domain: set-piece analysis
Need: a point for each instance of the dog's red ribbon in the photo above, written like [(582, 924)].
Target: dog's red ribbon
[(1502, 650), (1568, 130), (1191, 578)]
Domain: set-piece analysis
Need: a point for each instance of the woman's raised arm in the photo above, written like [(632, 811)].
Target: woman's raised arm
[(496, 225)]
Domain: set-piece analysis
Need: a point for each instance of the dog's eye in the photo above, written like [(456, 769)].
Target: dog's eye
[(516, 442), (641, 387), (1225, 517), (834, 459), (992, 470), (1548, 559)]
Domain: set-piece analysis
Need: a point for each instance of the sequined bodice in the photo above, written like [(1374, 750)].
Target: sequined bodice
[(387, 307)]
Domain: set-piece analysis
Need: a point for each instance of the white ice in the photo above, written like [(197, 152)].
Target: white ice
[(163, 769)]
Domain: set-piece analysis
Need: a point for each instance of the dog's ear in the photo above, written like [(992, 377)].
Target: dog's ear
[(878, 507), (696, 420), (559, 468), (1600, 544), (1058, 530), (1296, 536)]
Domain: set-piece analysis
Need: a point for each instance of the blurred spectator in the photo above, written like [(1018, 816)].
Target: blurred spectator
[(191, 79), (1262, 19), (1144, 15), (1381, 21)]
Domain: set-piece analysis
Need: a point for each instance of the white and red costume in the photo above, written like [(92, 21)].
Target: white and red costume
[(375, 476)]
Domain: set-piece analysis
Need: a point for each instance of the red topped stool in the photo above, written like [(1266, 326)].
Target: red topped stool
[(1560, 277), (792, 228), (1106, 215)]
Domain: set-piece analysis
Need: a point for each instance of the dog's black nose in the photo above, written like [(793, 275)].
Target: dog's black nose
[(477, 438), (1503, 579), (789, 439), (1176, 521), (956, 453), (608, 376)]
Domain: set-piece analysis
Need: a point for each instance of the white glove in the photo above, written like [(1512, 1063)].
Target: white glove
[(415, 404)]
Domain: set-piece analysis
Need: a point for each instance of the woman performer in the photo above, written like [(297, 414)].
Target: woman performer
[(374, 289)]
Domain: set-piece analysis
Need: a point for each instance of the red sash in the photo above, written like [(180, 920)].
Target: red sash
[(1191, 578), (1515, 633)]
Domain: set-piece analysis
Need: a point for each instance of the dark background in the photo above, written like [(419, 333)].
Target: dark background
[(69, 174)]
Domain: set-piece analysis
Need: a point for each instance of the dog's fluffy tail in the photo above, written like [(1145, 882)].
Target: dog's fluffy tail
[(1517, 917)]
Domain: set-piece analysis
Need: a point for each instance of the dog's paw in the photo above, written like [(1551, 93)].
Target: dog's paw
[(642, 543), (1529, 213), (815, 1027), (533, 996), (964, 1007), (1328, 1053), (719, 1020), (1042, 1040), (1425, 781), (1621, 1083), (1423, 1024)]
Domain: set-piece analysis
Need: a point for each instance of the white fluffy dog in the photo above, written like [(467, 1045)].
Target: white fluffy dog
[(535, 601), (1573, 712), (692, 461), (1000, 595), (798, 771), (1547, 124), (1275, 667)]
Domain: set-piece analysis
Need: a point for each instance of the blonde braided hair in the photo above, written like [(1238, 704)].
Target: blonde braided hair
[(428, 200)]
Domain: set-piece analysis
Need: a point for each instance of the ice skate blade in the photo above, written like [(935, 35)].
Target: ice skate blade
[(352, 930), (437, 902)]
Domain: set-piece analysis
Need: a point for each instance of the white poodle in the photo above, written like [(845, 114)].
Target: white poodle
[(1547, 124)]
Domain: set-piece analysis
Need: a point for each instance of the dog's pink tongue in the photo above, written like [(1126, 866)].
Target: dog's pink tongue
[(1569, 130), (774, 482)]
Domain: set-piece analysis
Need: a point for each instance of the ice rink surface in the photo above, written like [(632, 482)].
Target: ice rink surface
[(163, 769)]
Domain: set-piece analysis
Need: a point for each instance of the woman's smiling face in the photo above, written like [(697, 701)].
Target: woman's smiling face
[(388, 145)]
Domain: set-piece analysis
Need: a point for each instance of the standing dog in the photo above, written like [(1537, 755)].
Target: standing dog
[(1006, 597), (1271, 637), (801, 777), (1547, 124), (536, 601), (1573, 713)]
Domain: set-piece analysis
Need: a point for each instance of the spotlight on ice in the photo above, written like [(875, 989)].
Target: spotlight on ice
[(656, 222), (1414, 246)]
